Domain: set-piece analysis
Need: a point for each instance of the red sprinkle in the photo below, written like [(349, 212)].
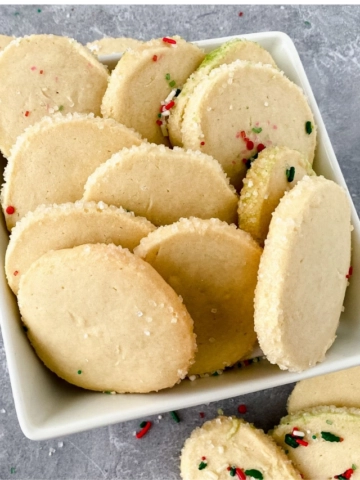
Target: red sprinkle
[(144, 430), (243, 134), (240, 474), (242, 408), (350, 272), (159, 122), (202, 143), (169, 40), (202, 414), (249, 145), (41, 72), (229, 468), (33, 68), (241, 14), (203, 458), (244, 160), (27, 113), (260, 147), (348, 473), (170, 105), (155, 58), (10, 210), (301, 442), (16, 273)]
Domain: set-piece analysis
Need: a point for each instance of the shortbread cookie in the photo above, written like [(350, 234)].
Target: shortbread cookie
[(4, 41), (276, 171), (239, 109), (164, 185), (303, 274), (52, 160), (43, 74), (322, 443), (238, 49), (103, 319), (229, 447), (108, 46), (213, 267), (341, 389), (143, 78), (54, 227)]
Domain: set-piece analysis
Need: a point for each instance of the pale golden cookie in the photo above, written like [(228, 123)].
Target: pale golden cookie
[(274, 172), (243, 107), (329, 442), (143, 78), (164, 185), (341, 389), (103, 319), (54, 227), (52, 160), (303, 274), (43, 74), (213, 266), (238, 49), (108, 45), (229, 447)]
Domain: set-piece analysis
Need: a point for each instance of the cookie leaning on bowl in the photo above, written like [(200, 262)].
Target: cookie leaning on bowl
[(37, 79), (239, 109), (55, 227), (52, 160), (107, 320), (307, 252)]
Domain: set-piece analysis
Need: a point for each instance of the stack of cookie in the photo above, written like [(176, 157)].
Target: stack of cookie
[(123, 194)]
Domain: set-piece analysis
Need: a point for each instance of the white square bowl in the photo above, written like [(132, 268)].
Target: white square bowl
[(49, 407)]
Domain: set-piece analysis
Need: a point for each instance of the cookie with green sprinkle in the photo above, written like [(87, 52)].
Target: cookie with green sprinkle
[(228, 447), (322, 442), (54, 227), (237, 49), (143, 85), (274, 172)]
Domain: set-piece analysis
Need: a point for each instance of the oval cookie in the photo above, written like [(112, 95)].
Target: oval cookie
[(103, 319), (243, 107), (164, 185), (213, 267), (307, 251), (38, 75), (238, 49), (341, 389), (54, 227), (108, 45), (274, 172), (229, 447), (143, 79), (323, 442), (52, 160)]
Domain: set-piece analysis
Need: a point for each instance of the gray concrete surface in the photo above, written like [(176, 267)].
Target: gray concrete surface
[(328, 40)]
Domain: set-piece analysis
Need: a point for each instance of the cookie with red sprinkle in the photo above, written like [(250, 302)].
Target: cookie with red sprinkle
[(228, 447)]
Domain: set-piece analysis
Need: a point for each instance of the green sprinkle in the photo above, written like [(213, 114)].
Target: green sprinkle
[(172, 83), (307, 24), (314, 437), (233, 472), (175, 417), (290, 174), (202, 465), (79, 372), (308, 127), (254, 473), (290, 440), (329, 422), (39, 10), (107, 392), (143, 424), (167, 76), (257, 130), (353, 466), (215, 374), (330, 437), (12, 470), (17, 13), (341, 477), (159, 115), (286, 451), (61, 108)]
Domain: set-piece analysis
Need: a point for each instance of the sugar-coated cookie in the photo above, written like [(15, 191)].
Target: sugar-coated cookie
[(37, 79), (341, 389), (213, 266), (108, 45), (237, 49), (164, 185), (52, 160), (143, 78), (323, 442), (239, 109), (303, 274), (54, 227), (107, 321), (274, 172), (229, 447)]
